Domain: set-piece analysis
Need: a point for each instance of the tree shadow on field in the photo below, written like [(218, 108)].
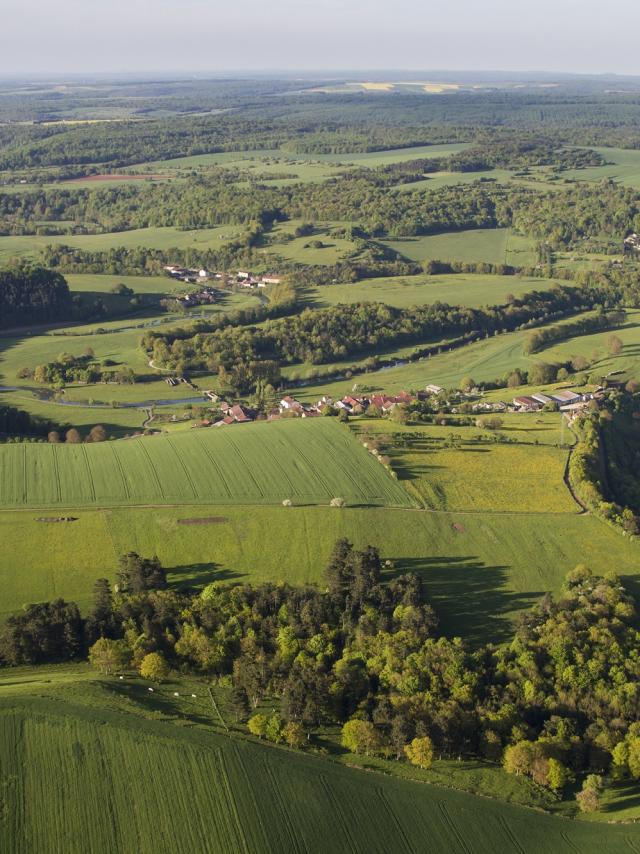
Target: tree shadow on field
[(160, 700), (195, 576), (471, 599)]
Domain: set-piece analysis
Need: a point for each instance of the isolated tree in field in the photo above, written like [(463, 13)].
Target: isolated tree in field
[(360, 737), (109, 656), (420, 752), (466, 384), (72, 437), (258, 725), (614, 345), (579, 363), (154, 667), (97, 434), (53, 437)]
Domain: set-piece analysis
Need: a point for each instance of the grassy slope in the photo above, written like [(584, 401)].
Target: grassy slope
[(151, 238), (491, 245), (404, 291), (622, 166), (308, 461), (227, 794), (478, 573)]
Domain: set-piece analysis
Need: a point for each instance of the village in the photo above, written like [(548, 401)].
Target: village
[(569, 402), (208, 294)]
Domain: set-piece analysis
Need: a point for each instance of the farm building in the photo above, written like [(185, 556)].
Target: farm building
[(434, 389), (566, 396), (526, 404), (542, 398)]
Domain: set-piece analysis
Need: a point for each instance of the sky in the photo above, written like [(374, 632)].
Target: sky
[(65, 36)]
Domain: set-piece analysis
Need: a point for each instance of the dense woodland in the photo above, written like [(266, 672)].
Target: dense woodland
[(559, 700), (32, 295)]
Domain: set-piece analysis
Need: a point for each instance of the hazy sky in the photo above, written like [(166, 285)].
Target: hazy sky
[(217, 35)]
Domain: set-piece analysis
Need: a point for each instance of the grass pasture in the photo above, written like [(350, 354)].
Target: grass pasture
[(488, 245), (228, 794), (466, 289), (468, 475), (622, 166), (479, 569), (150, 238), (305, 461)]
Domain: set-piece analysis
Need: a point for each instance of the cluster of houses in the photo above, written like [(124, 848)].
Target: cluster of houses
[(567, 401), (250, 282), (243, 278), (224, 413), (208, 294)]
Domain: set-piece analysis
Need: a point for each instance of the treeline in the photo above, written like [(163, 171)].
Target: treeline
[(364, 653), (595, 480), (32, 295), (541, 338)]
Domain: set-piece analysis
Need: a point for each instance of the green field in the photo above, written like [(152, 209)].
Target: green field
[(622, 166), (307, 461), (368, 158), (479, 569), (404, 291), (488, 245), (112, 749), (150, 238), (102, 284), (469, 475), (299, 249)]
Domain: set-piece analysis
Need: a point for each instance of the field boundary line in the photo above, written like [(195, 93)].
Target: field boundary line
[(216, 709)]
